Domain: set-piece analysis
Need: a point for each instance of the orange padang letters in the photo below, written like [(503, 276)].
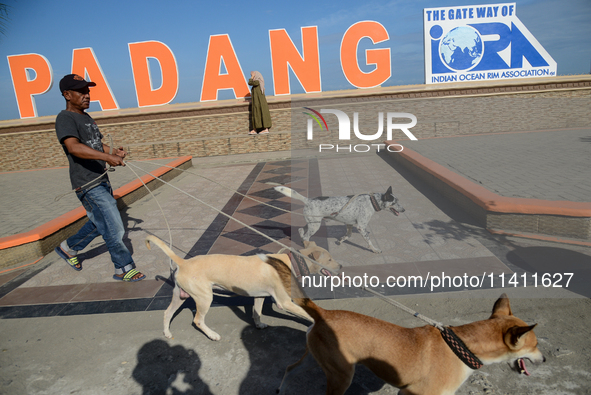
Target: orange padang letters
[(284, 55), (140, 52), (378, 57), (85, 63), (220, 50), (26, 87), (32, 74)]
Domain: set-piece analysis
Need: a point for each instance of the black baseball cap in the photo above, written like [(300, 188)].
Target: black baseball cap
[(72, 82)]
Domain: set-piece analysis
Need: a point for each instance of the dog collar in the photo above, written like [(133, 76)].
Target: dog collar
[(298, 263), (460, 349), (374, 203)]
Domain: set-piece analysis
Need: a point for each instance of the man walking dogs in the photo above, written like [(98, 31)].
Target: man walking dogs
[(87, 155)]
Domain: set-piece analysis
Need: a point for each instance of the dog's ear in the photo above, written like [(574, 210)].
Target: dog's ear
[(502, 306), (515, 336), (315, 255), (388, 194)]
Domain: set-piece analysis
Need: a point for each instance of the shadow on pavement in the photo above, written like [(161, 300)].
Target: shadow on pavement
[(549, 260), (447, 207), (450, 230), (554, 262), (162, 369)]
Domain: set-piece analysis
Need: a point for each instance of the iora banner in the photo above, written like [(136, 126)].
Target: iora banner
[(481, 42)]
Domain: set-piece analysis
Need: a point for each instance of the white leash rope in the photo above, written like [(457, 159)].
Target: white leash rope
[(428, 320), (250, 197), (234, 219), (161, 210), (224, 186), (434, 323), (285, 247)]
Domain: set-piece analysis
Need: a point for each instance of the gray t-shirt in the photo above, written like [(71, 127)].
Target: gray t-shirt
[(83, 127)]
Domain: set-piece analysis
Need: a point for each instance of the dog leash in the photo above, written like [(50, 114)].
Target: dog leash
[(161, 211), (234, 219), (428, 320), (110, 168), (451, 339), (374, 202), (202, 202)]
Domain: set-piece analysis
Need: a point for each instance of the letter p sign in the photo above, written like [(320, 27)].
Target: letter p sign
[(31, 75)]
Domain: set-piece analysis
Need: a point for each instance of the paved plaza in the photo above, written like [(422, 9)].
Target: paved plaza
[(548, 165), (81, 332)]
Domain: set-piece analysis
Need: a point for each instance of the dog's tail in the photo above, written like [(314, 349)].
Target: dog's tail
[(293, 287), (153, 239), (291, 193)]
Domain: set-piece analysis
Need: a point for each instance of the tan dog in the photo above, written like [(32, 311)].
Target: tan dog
[(243, 275), (318, 254), (417, 360)]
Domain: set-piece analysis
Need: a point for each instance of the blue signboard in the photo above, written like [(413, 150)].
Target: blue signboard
[(481, 42)]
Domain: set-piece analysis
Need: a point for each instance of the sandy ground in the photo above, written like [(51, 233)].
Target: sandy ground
[(126, 353)]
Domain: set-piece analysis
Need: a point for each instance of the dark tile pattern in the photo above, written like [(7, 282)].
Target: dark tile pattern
[(149, 296), (268, 193), (214, 230), (267, 212), (282, 179), (222, 236), (284, 169), (273, 229), (270, 218)]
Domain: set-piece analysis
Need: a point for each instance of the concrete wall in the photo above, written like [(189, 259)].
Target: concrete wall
[(220, 128)]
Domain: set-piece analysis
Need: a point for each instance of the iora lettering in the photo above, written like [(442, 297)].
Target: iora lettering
[(484, 42), (345, 124)]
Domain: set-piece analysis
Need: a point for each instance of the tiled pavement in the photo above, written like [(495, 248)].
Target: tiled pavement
[(430, 237), (412, 244), (547, 165), (80, 342), (47, 196)]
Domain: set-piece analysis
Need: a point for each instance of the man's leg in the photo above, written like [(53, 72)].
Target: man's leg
[(68, 249), (81, 239), (101, 208)]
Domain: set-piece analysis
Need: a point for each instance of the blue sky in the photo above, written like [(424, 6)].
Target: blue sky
[(54, 28)]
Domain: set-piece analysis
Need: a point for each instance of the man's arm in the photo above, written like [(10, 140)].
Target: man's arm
[(76, 148)]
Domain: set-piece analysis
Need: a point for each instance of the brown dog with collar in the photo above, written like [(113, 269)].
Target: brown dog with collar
[(416, 360), (255, 276)]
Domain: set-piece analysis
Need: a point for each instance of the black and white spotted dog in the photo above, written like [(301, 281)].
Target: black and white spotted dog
[(350, 210)]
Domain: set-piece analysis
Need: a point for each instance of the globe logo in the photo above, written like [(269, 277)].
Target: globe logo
[(461, 48)]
